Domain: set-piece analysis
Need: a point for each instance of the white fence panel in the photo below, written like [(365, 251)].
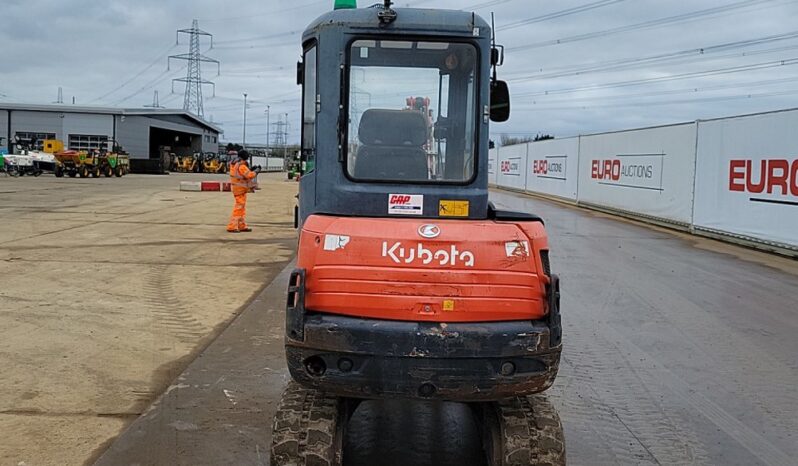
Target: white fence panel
[(553, 167), (748, 177), (512, 167), (493, 158), (267, 164), (647, 171)]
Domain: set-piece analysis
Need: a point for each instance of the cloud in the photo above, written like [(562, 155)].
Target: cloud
[(91, 48)]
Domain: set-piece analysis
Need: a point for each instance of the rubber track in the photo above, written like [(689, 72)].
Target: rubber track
[(531, 432), (306, 429)]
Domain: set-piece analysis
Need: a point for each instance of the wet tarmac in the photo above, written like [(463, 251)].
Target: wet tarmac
[(678, 350)]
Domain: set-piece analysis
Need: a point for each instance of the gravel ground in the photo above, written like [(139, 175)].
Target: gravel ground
[(108, 289)]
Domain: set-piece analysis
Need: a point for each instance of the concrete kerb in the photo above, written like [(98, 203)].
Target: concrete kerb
[(220, 409)]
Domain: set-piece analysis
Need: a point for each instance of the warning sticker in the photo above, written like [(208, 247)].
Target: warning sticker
[(448, 305), (335, 242), (453, 208), (405, 204), (517, 249)]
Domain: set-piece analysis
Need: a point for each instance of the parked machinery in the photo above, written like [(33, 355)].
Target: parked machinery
[(187, 163), (93, 163), (213, 163), (116, 163), (18, 165)]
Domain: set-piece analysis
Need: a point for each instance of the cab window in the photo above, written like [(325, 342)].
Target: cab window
[(309, 109), (412, 111)]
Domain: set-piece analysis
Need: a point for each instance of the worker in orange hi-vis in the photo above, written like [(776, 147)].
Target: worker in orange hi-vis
[(242, 181)]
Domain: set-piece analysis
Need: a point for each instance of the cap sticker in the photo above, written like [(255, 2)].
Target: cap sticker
[(405, 204)]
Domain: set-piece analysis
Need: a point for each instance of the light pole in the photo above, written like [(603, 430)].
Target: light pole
[(285, 141), (268, 107), (244, 143)]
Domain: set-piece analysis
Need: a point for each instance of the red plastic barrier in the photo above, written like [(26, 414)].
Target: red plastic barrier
[(211, 186), (226, 187)]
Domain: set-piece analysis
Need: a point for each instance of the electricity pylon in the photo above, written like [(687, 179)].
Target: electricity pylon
[(192, 100)]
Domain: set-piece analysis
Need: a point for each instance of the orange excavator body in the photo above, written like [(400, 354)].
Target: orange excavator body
[(475, 271)]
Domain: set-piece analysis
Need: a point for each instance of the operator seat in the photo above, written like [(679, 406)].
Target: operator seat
[(392, 146)]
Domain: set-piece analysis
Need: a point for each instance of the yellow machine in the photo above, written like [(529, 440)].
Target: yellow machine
[(213, 164), (51, 146), (84, 164), (187, 164)]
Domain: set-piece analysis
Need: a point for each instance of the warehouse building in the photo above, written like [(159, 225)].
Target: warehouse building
[(146, 134)]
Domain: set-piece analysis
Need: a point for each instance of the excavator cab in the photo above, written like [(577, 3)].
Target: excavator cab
[(409, 282)]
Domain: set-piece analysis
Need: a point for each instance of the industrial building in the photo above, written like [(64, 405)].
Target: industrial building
[(146, 134)]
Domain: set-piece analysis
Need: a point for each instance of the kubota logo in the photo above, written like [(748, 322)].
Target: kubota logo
[(409, 255), (429, 231)]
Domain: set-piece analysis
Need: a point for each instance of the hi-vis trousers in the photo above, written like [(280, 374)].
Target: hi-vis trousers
[(237, 219)]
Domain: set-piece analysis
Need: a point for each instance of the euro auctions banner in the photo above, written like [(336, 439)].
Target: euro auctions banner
[(747, 177), (493, 157), (512, 166), (648, 171), (553, 167)]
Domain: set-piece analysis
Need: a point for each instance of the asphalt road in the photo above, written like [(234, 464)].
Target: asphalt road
[(678, 350)]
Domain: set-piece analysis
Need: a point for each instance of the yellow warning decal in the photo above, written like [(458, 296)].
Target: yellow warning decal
[(448, 305), (453, 208)]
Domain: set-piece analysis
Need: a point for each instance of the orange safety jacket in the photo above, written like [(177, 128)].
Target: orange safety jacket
[(241, 176)]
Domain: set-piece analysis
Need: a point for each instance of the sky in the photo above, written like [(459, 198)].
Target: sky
[(573, 66)]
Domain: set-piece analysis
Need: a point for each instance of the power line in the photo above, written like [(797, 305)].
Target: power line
[(479, 6), (695, 74), (150, 84), (559, 14), (135, 76), (292, 43), (673, 102), (690, 90), (627, 63), (278, 35), (644, 25), (269, 13)]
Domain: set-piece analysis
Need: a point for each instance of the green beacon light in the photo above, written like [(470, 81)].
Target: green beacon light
[(345, 4)]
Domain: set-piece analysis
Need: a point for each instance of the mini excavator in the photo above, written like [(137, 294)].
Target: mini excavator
[(409, 283)]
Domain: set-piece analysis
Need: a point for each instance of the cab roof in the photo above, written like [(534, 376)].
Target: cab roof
[(409, 20)]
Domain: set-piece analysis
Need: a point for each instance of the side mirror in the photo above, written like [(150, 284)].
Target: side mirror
[(499, 101), (300, 73)]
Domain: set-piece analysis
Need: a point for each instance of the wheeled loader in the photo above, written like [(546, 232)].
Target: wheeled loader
[(213, 163), (409, 283)]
